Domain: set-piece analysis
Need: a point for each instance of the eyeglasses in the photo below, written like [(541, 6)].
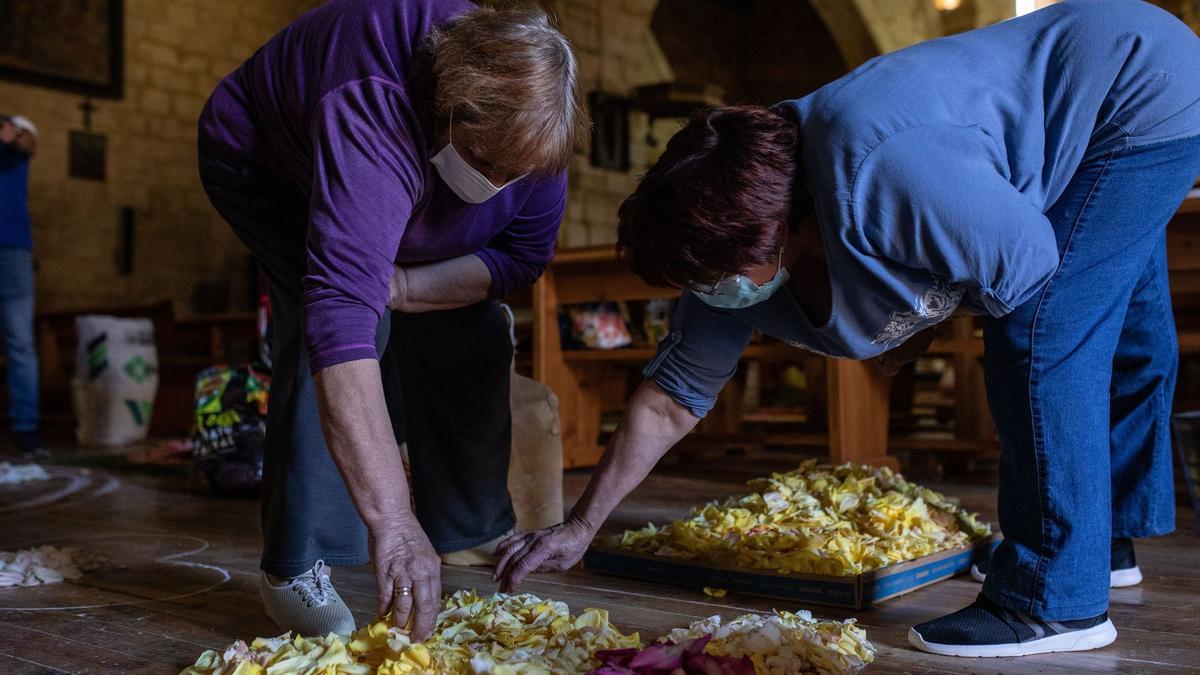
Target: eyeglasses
[(729, 285)]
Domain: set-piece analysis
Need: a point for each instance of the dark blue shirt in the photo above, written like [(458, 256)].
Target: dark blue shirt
[(14, 209), (931, 170)]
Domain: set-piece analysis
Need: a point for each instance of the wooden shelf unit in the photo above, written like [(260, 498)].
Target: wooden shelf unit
[(589, 382)]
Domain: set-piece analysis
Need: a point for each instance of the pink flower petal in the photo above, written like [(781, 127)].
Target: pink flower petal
[(618, 657), (658, 656), (695, 646), (668, 658), (707, 664)]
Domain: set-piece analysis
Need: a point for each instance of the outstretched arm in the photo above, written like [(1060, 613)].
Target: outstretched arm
[(652, 424), (359, 435)]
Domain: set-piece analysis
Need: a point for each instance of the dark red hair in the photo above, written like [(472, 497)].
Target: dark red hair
[(717, 202)]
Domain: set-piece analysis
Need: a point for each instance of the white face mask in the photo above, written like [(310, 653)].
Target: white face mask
[(466, 182)]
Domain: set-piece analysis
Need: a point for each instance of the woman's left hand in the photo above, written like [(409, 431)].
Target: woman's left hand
[(552, 549)]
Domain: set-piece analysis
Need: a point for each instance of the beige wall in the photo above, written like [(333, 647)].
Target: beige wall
[(1187, 10), (618, 51), (175, 52)]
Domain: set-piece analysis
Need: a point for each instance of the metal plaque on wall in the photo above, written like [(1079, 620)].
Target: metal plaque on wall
[(88, 155)]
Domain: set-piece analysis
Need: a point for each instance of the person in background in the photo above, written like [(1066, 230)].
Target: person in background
[(18, 141), (1024, 172), (402, 154)]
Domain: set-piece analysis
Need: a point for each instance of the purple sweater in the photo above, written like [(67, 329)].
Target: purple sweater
[(332, 103)]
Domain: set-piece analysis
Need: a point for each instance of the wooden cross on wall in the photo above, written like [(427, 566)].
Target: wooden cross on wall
[(87, 108)]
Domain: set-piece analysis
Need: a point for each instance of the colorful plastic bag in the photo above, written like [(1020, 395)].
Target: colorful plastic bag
[(231, 426)]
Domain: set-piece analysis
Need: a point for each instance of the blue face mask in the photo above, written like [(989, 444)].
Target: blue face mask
[(738, 292)]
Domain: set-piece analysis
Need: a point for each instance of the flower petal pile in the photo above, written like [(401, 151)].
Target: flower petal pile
[(784, 643), (44, 565), (11, 474), (517, 634), (817, 519)]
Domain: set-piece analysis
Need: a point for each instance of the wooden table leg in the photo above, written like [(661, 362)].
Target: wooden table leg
[(972, 417), (858, 413)]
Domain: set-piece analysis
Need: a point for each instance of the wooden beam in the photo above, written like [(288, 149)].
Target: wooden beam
[(578, 406), (858, 413)]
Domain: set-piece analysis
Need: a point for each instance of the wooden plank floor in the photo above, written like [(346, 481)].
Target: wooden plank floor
[(182, 572)]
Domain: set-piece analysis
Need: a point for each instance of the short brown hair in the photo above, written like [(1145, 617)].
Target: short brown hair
[(509, 82), (717, 202)]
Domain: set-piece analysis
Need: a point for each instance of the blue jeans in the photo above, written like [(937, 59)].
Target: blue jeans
[(16, 325), (1080, 381)]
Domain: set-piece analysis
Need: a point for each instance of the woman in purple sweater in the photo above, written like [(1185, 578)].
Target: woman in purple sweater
[(402, 154)]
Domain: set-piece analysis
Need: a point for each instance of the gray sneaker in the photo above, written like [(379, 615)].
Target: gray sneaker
[(307, 604)]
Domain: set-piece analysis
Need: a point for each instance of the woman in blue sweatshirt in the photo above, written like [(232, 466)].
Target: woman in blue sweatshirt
[(1026, 172)]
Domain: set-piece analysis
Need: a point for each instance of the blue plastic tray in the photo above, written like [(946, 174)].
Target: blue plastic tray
[(854, 592)]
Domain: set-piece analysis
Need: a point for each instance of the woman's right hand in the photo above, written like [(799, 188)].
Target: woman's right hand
[(404, 559)]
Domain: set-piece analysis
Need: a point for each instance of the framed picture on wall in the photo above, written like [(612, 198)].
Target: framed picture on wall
[(75, 45)]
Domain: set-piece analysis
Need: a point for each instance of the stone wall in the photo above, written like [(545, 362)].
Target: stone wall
[(760, 52), (618, 51), (1187, 10), (175, 53)]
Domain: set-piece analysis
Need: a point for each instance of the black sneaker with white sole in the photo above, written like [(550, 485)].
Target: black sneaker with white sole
[(986, 629), (1125, 571)]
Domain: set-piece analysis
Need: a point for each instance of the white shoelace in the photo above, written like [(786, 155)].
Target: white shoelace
[(313, 586)]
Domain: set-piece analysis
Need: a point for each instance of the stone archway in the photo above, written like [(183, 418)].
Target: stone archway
[(618, 51), (761, 51), (845, 23), (758, 52)]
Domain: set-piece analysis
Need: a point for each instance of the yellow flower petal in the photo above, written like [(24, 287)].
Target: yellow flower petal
[(823, 519), (519, 634)]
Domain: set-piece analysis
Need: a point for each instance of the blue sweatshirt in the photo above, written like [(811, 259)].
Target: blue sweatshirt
[(14, 208), (931, 170)]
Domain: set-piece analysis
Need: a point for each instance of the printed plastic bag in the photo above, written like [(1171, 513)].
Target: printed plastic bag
[(116, 379), (231, 426)]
